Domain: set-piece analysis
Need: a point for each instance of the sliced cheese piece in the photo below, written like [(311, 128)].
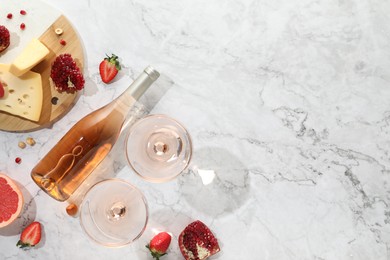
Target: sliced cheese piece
[(23, 95), (34, 53)]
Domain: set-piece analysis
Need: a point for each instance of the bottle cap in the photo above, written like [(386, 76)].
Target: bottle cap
[(153, 74)]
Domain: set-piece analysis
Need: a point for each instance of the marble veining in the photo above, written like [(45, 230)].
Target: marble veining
[(287, 103)]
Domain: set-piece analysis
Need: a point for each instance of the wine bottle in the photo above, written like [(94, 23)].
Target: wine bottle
[(86, 144)]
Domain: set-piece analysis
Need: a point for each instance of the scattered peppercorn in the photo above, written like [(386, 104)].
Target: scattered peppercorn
[(54, 100), (23, 12), (63, 42), (9, 16), (22, 26), (18, 160)]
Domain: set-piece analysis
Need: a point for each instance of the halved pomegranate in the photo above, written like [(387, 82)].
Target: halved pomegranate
[(4, 38), (197, 242)]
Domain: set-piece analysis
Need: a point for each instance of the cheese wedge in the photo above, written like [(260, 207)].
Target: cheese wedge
[(23, 96), (34, 53)]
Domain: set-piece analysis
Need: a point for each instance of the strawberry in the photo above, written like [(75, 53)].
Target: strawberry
[(159, 244), (109, 67), (4, 38), (30, 236)]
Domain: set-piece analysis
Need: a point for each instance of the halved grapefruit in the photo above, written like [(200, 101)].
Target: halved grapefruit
[(11, 200)]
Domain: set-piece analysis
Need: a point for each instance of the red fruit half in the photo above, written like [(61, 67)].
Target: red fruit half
[(109, 67), (30, 236), (159, 244), (66, 75), (4, 38), (11, 201), (197, 242)]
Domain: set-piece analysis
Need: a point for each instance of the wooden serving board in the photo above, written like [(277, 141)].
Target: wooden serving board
[(51, 111)]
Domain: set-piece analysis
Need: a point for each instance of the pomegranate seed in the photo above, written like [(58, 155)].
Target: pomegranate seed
[(1, 90), (22, 26), (9, 16), (63, 42), (22, 12), (18, 160)]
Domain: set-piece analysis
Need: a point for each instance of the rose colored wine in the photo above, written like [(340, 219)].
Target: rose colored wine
[(87, 143)]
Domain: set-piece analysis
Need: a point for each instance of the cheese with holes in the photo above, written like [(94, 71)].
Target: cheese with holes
[(23, 95), (34, 53)]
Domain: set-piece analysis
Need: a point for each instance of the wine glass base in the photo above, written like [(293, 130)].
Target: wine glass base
[(158, 148), (114, 213)]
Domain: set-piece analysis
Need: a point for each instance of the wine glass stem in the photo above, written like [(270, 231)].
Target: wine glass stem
[(117, 211), (160, 148)]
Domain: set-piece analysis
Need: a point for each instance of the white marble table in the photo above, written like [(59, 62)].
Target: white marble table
[(287, 101)]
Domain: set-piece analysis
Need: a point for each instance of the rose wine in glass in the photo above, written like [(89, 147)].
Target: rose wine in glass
[(114, 213), (158, 148)]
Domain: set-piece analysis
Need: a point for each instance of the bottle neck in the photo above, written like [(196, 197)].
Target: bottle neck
[(142, 83), (136, 90)]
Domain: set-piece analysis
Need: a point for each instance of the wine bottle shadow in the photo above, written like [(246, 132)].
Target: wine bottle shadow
[(27, 215), (216, 184)]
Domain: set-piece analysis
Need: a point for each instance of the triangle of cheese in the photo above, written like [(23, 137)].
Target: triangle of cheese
[(23, 95), (34, 53)]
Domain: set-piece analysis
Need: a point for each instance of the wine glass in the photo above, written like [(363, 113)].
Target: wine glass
[(158, 148), (114, 213)]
